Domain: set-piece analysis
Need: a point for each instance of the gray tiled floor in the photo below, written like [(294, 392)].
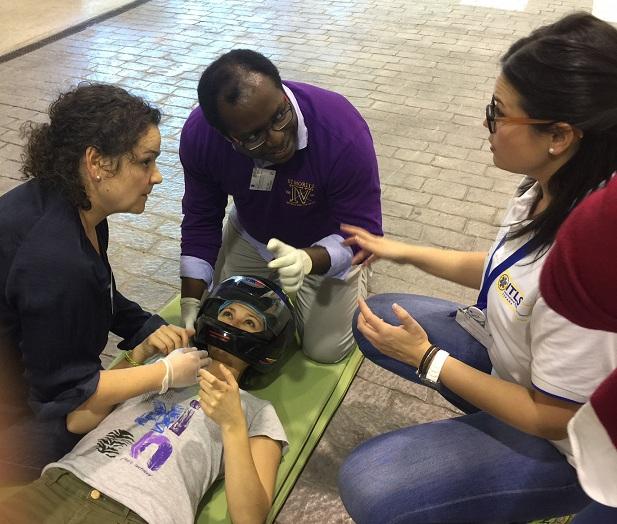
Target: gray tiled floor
[(420, 71)]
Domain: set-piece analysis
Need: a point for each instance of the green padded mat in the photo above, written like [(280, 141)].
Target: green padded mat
[(305, 395)]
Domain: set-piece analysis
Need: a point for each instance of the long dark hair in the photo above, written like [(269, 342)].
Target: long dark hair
[(224, 79), (100, 115), (567, 72)]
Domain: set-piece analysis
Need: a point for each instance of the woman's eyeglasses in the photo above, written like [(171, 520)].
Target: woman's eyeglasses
[(492, 119)]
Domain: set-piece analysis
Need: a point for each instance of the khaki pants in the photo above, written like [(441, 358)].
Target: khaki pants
[(325, 305), (59, 497)]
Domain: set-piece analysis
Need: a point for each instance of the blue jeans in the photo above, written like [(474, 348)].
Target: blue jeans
[(469, 469), (596, 513)]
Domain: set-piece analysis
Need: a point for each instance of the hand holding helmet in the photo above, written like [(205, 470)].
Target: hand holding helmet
[(189, 307), (164, 340), (292, 264), (182, 367)]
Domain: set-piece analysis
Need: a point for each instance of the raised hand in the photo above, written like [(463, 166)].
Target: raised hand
[(407, 342), (220, 399), (372, 247), (292, 264)]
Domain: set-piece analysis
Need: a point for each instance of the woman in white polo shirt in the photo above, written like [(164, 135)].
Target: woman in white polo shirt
[(518, 370)]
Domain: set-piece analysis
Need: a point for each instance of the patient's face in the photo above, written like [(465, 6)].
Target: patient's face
[(241, 317)]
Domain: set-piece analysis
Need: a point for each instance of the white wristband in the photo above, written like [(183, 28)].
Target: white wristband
[(167, 379), (432, 374)]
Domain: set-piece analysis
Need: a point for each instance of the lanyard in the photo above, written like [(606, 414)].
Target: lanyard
[(111, 289), (490, 276)]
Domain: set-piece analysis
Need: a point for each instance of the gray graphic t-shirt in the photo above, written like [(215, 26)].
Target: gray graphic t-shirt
[(158, 454)]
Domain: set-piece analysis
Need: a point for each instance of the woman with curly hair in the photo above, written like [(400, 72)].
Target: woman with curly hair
[(58, 300)]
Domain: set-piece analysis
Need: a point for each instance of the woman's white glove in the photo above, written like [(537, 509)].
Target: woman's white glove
[(189, 307), (183, 365), (292, 264)]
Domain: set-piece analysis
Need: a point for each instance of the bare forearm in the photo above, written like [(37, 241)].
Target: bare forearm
[(247, 500), (462, 267), (122, 364), (115, 386), (511, 403), (320, 258), (192, 287), (137, 355)]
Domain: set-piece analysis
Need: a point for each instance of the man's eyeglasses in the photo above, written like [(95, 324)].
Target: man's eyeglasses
[(491, 119), (280, 121)]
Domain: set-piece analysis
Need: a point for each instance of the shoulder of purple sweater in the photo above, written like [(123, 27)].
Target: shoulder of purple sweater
[(329, 113), (195, 124), (197, 135)]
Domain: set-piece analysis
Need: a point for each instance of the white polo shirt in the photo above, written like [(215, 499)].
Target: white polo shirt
[(532, 345)]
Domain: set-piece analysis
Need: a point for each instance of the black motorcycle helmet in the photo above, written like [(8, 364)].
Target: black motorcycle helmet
[(260, 350)]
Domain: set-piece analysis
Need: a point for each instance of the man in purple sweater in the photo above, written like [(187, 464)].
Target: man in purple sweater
[(298, 161)]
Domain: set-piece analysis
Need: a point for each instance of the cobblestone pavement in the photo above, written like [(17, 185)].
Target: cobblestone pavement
[(420, 71)]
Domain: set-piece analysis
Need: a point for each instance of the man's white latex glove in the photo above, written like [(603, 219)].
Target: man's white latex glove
[(189, 307), (183, 365), (292, 264)]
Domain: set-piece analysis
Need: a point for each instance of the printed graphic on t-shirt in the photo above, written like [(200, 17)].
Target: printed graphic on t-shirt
[(511, 293), (158, 446), (115, 440), (161, 416), (300, 193)]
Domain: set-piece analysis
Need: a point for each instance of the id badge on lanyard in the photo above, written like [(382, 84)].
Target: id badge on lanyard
[(262, 179), (473, 318)]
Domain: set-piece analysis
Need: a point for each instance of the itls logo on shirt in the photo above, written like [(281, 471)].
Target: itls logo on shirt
[(509, 290), (300, 193)]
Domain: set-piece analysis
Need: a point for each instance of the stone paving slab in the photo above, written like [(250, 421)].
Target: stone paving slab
[(29, 24), (420, 72)]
